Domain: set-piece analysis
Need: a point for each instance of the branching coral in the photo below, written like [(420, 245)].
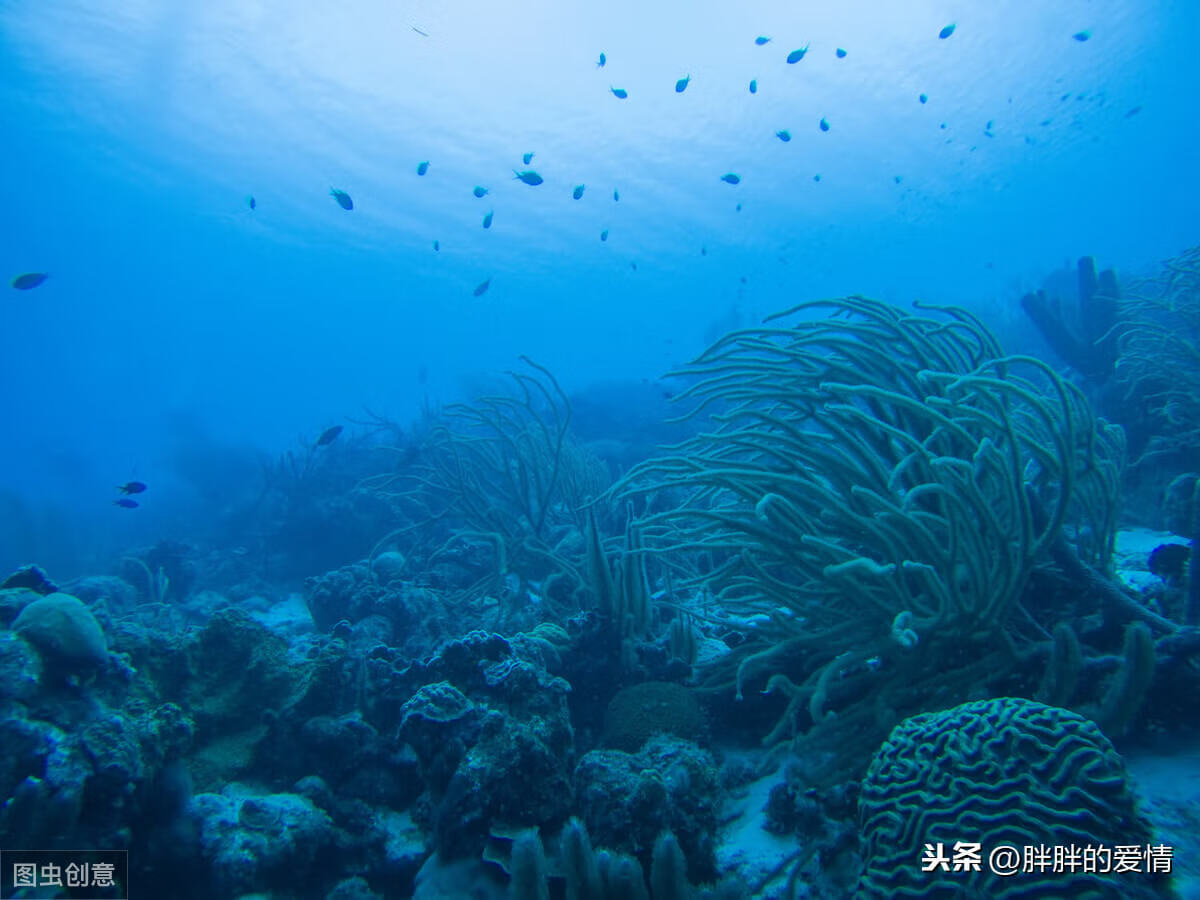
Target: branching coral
[(877, 480)]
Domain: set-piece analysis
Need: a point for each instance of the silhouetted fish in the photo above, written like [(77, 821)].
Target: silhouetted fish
[(754, 85), (604, 235), (731, 178), (578, 192), (841, 54), (823, 124), (423, 167), (480, 191), (760, 40), (924, 98), (251, 202), (616, 195), (29, 280), (529, 177), (342, 198), (619, 93), (947, 31), (487, 220), (131, 487), (796, 55), (437, 245), (527, 158), (126, 503), (681, 84), (599, 65), (481, 288), (1082, 35), (784, 135), (328, 436)]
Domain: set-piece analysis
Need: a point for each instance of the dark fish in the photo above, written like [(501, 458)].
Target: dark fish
[(817, 177), (619, 93), (896, 178), (731, 178), (131, 487), (738, 208), (841, 54), (599, 65), (29, 280), (419, 31), (578, 192), (947, 31), (784, 135), (681, 84), (754, 85), (342, 198), (126, 503), (480, 191), (529, 177), (1082, 36), (633, 266), (482, 287), (527, 158), (704, 251), (616, 195), (1129, 115), (328, 436), (251, 202), (760, 40), (796, 55), (437, 246), (824, 124), (487, 220), (924, 98), (743, 279), (604, 235), (422, 167)]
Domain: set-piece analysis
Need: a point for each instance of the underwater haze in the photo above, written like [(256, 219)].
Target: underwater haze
[(670, 450), (136, 132)]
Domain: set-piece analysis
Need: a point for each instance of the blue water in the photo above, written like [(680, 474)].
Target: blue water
[(176, 315)]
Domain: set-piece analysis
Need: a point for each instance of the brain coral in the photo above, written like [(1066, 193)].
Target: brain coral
[(1004, 771), (64, 631)]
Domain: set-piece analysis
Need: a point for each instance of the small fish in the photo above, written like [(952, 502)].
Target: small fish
[(1129, 115), (738, 208), (760, 40), (784, 135), (578, 192), (754, 85), (1082, 36), (619, 93), (604, 235), (616, 195), (419, 31), (743, 279), (423, 167), (131, 487), (437, 246), (841, 54), (633, 266), (681, 84), (482, 287), (731, 178), (342, 198), (487, 220), (599, 65), (947, 31), (126, 503), (29, 280), (824, 124), (480, 191), (251, 202), (796, 55), (896, 178), (529, 176), (924, 98), (817, 177), (704, 251), (527, 158), (328, 436)]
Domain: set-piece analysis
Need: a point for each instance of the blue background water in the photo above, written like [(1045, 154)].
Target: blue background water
[(180, 330)]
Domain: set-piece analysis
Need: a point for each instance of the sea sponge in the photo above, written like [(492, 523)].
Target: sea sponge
[(1004, 771)]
